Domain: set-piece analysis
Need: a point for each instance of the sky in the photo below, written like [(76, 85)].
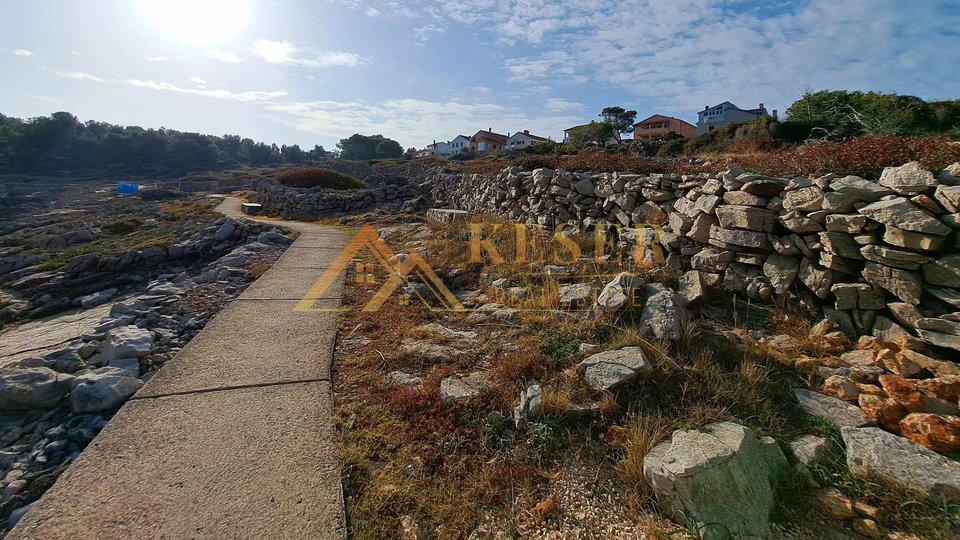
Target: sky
[(313, 72)]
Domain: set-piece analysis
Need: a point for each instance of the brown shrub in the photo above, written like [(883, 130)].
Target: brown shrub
[(308, 177), (860, 156)]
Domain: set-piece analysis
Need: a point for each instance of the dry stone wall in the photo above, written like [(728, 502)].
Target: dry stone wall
[(280, 200), (878, 257)]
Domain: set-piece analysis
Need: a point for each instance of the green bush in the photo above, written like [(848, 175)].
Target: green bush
[(309, 177)]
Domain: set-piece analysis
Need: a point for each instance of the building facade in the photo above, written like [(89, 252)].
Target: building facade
[(487, 142), (522, 139), (726, 113), (659, 125)]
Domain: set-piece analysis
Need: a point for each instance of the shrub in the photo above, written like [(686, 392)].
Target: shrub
[(308, 177), (860, 156)]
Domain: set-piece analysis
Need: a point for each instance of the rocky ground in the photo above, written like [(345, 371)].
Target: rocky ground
[(591, 399), (114, 311)]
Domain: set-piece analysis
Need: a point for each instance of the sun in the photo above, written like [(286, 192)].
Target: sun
[(201, 22)]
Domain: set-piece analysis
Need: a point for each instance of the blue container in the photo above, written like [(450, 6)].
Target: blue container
[(127, 188)]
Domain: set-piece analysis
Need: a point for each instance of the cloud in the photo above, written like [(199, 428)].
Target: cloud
[(422, 34), (79, 76), (23, 52), (414, 121), (198, 81), (559, 104), (249, 96), (227, 57), (284, 53), (158, 59), (679, 55), (371, 12)]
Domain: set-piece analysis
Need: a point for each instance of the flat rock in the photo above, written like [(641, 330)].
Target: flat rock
[(126, 342), (873, 452), (908, 179), (103, 389), (607, 369), (663, 315), (905, 215), (32, 388), (838, 412), (862, 189)]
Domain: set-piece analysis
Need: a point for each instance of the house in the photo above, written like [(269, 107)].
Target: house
[(659, 125), (487, 142), (726, 113), (569, 130), (438, 149), (566, 132), (459, 145), (522, 139)]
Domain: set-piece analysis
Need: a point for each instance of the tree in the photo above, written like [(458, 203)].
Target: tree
[(594, 133), (292, 154), (365, 147), (622, 120)]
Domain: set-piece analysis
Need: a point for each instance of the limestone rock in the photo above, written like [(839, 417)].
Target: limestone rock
[(862, 189), (905, 215), (126, 342), (722, 477), (908, 179), (943, 271), (807, 199), (103, 389), (692, 286), (576, 296), (663, 315), (605, 370), (904, 285), (456, 390), (531, 404), (619, 292), (809, 450), (32, 388), (839, 413), (874, 452), (746, 217)]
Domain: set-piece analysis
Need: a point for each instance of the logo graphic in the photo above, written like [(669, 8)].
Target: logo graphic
[(399, 272)]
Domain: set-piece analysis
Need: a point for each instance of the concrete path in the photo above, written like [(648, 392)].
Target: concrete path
[(233, 438)]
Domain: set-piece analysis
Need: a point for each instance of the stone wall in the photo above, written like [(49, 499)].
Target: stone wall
[(879, 258), (280, 200)]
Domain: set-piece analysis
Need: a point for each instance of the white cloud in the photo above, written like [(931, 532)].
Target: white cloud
[(79, 76), (678, 55), (371, 12), (23, 52), (422, 34), (158, 59), (284, 53), (250, 96), (227, 57), (198, 81), (559, 104), (414, 121)]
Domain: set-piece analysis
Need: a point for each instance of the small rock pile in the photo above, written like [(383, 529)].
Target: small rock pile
[(53, 404), (879, 258)]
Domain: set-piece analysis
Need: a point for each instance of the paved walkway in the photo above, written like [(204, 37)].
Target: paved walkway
[(234, 438)]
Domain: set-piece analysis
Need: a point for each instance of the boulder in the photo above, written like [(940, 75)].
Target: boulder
[(746, 217), (908, 179), (103, 389), (903, 284), (605, 370), (576, 296), (807, 199), (873, 452), (809, 450), (886, 412), (126, 342), (32, 388), (943, 271), (721, 477), (663, 315), (692, 287)]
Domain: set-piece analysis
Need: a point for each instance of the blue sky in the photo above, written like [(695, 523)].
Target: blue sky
[(312, 72)]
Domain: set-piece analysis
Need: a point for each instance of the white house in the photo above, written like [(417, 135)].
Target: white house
[(522, 139), (439, 149), (726, 113), (460, 144)]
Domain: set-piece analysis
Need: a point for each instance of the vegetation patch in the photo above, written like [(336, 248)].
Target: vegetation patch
[(310, 177)]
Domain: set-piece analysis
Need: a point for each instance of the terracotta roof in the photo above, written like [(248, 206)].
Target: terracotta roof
[(575, 127), (491, 136), (651, 118)]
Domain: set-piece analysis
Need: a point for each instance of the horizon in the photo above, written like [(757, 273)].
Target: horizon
[(301, 76)]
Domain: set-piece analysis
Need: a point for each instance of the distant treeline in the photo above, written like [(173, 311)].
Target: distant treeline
[(61, 143)]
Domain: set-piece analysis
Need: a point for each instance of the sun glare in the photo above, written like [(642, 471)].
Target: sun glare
[(198, 21)]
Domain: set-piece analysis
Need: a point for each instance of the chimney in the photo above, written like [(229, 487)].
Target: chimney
[(705, 107), (761, 105), (490, 129), (434, 141), (526, 132), (774, 114), (508, 134)]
